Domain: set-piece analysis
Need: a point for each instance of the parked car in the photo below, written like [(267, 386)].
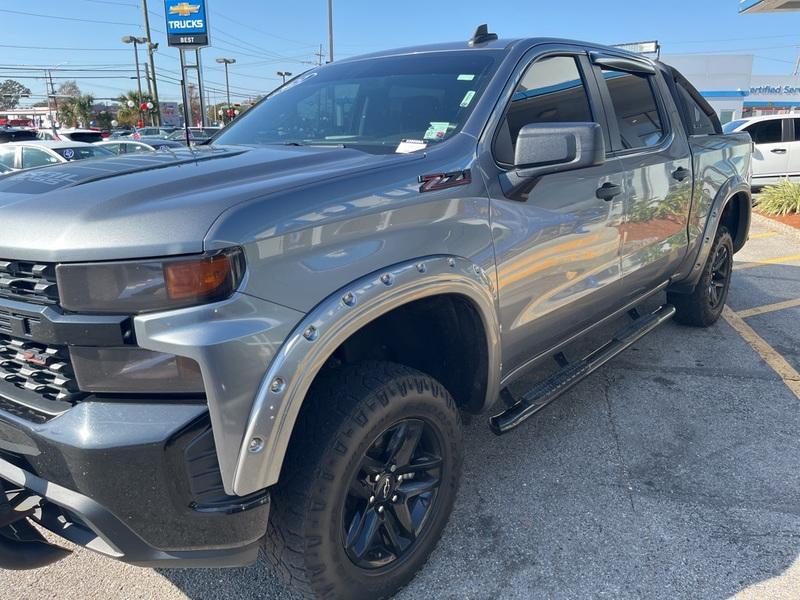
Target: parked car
[(27, 155), (777, 146), (137, 147), (14, 134), (270, 342), (88, 136), (153, 132), (119, 133), (197, 135)]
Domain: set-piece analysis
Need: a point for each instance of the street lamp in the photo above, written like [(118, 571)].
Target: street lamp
[(284, 75), (130, 39), (226, 62)]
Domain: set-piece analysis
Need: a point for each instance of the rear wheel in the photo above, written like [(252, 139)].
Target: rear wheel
[(368, 484), (704, 305)]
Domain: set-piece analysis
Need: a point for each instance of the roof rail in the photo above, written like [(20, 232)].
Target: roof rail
[(482, 35)]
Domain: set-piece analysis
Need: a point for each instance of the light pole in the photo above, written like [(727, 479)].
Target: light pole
[(130, 39), (284, 75), (226, 62), (330, 30)]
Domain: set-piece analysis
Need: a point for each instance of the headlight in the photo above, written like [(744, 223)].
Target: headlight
[(141, 286), (134, 370)]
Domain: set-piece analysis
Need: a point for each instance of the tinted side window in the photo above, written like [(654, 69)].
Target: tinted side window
[(796, 129), (33, 157), (699, 122), (7, 156), (551, 91), (636, 109), (766, 132)]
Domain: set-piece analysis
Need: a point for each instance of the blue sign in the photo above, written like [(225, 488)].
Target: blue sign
[(187, 23)]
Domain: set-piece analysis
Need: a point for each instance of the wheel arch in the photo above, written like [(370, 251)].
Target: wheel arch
[(335, 321)]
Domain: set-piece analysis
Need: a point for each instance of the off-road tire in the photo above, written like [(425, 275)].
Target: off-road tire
[(344, 414), (701, 308)]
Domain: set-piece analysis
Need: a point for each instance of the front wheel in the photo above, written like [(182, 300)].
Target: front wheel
[(368, 483), (703, 307)]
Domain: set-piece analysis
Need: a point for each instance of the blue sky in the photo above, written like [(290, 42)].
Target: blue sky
[(266, 36)]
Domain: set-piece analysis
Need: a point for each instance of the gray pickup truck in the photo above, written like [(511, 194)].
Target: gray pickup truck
[(268, 341)]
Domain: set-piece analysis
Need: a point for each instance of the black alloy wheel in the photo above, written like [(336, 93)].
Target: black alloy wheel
[(392, 494), (721, 267)]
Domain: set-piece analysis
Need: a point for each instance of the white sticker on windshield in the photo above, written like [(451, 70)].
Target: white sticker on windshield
[(466, 77), (467, 99), (408, 146), (437, 130)]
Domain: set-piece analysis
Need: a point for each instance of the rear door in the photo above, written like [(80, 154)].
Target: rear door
[(771, 155), (557, 245), (648, 139)]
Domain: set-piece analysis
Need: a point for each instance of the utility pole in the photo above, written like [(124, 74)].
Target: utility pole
[(49, 79), (151, 48), (320, 55), (330, 30)]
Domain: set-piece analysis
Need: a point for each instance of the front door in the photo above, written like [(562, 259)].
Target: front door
[(771, 154), (557, 247)]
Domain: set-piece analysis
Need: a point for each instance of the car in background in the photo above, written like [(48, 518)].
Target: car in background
[(89, 136), (197, 135), (27, 155), (14, 134), (119, 133), (776, 140), (153, 132), (120, 147)]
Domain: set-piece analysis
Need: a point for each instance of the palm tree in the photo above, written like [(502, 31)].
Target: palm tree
[(127, 115), (77, 111)]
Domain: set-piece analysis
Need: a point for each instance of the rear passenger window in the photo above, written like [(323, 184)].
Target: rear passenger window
[(699, 122), (7, 156), (551, 91), (796, 129), (636, 109), (766, 132)]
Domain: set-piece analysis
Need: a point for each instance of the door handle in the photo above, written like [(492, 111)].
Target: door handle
[(608, 191), (680, 174), (778, 150)]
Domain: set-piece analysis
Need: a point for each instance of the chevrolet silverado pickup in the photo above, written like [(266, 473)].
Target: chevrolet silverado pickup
[(267, 342)]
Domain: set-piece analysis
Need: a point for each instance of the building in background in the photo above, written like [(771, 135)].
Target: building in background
[(727, 81)]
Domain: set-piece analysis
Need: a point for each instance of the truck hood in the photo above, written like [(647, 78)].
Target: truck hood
[(153, 204)]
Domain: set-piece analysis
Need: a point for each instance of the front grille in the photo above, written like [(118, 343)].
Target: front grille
[(29, 281), (43, 370)]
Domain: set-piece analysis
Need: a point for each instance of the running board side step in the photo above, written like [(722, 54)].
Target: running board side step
[(572, 373)]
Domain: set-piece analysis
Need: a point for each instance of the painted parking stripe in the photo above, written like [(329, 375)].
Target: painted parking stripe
[(767, 261), (752, 312), (785, 371), (761, 236)]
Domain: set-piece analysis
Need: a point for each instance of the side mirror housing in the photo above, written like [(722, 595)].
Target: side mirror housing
[(555, 147)]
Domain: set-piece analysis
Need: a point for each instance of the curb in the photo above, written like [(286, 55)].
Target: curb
[(776, 225)]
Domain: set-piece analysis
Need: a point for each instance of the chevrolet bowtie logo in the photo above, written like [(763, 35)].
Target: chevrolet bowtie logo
[(184, 9)]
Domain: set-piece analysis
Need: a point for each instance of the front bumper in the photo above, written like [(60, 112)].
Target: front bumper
[(139, 482)]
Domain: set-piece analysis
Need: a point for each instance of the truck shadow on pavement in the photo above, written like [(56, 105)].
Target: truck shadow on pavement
[(674, 472)]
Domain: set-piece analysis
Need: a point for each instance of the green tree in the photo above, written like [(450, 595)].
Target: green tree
[(11, 92), (76, 112), (128, 116)]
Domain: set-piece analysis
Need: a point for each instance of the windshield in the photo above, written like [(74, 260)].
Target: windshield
[(733, 125), (374, 104), (81, 152)]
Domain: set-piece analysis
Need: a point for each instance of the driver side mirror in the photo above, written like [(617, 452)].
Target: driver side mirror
[(555, 147), (544, 148)]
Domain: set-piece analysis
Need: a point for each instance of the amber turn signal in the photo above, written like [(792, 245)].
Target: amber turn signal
[(201, 279)]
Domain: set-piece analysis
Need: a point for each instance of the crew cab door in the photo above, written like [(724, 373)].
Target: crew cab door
[(647, 137), (557, 241)]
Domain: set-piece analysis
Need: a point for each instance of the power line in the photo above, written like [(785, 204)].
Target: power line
[(73, 19)]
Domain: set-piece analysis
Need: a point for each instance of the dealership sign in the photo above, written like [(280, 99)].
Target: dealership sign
[(187, 23), (777, 90)]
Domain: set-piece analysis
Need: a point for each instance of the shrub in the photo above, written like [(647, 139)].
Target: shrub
[(780, 199)]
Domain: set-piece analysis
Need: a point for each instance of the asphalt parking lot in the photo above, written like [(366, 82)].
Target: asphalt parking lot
[(673, 472)]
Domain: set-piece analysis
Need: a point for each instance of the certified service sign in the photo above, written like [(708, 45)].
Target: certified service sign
[(187, 23)]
